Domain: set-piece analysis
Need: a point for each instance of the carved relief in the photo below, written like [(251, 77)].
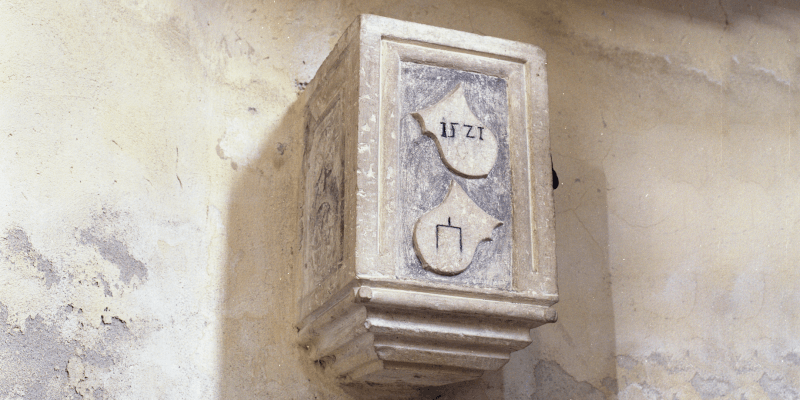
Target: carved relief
[(446, 237), (324, 176), (465, 144), (477, 138)]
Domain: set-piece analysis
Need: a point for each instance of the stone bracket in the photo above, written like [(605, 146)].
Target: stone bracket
[(427, 241), (379, 334)]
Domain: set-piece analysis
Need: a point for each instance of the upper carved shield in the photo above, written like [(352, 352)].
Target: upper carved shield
[(465, 143)]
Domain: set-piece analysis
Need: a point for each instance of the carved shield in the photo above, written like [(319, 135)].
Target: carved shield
[(465, 144), (445, 238)]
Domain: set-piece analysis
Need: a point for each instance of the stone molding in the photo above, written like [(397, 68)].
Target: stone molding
[(377, 334)]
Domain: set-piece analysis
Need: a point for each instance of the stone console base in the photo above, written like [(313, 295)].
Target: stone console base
[(373, 333)]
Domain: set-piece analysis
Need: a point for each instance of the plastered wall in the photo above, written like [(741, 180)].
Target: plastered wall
[(149, 169)]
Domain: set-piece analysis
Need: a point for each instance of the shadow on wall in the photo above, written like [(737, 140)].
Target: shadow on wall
[(259, 355), (575, 357), (258, 352)]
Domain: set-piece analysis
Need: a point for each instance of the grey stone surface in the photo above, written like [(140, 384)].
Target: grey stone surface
[(711, 387), (324, 166), (117, 253), (19, 243), (41, 352), (777, 388), (425, 179)]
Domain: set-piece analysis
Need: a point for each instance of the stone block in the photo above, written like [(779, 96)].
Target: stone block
[(427, 225)]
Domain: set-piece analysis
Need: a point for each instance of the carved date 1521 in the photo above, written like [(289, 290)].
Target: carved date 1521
[(454, 126), (466, 145)]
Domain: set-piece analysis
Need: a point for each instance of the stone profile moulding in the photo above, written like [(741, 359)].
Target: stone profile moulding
[(428, 244)]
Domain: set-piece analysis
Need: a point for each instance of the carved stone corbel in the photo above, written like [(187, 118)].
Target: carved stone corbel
[(428, 239)]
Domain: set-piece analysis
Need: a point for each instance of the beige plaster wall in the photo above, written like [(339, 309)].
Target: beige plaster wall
[(149, 167)]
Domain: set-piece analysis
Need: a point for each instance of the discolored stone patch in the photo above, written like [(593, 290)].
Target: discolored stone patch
[(47, 365), (712, 387), (777, 388), (117, 253), (19, 243)]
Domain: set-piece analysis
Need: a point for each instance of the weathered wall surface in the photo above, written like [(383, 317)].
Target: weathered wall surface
[(149, 170), (675, 132)]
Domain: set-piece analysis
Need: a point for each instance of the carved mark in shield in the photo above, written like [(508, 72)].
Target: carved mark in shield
[(445, 238)]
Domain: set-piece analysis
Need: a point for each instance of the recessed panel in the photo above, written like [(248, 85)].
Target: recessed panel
[(324, 208), (453, 133)]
